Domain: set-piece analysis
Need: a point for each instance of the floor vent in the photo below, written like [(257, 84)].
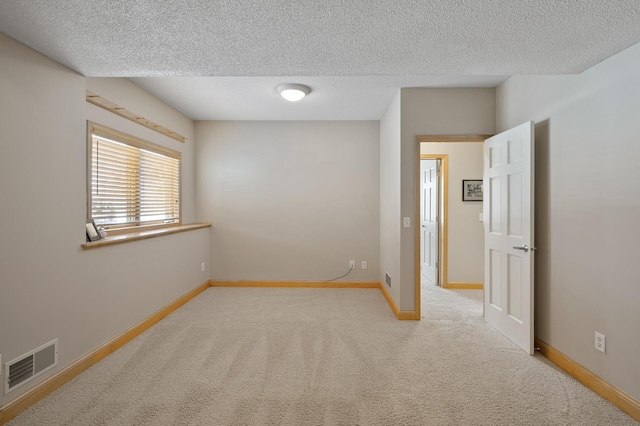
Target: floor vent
[(30, 365)]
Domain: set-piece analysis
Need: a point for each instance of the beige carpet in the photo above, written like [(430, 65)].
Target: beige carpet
[(252, 356)]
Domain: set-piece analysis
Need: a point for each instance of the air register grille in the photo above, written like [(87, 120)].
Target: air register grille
[(30, 365), (20, 371)]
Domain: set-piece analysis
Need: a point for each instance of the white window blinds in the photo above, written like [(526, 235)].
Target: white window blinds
[(131, 184)]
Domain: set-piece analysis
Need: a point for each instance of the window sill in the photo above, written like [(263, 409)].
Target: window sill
[(143, 235)]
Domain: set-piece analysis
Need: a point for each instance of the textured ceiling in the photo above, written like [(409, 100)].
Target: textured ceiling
[(330, 45)]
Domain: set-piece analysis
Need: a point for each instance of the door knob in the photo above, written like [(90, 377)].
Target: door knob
[(524, 248)]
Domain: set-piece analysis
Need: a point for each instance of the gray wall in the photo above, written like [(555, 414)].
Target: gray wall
[(390, 220), (587, 210), (466, 233), (289, 200), (49, 287)]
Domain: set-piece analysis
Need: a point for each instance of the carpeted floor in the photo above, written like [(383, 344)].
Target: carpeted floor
[(276, 356)]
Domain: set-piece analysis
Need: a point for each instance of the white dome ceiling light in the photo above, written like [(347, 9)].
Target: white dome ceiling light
[(293, 92)]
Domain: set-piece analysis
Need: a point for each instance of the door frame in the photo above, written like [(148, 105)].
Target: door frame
[(416, 183), (443, 211)]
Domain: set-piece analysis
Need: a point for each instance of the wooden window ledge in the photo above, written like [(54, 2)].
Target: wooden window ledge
[(143, 235)]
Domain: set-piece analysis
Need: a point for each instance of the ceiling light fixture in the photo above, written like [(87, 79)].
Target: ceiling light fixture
[(293, 92)]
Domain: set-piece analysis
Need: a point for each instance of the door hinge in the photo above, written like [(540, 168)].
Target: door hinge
[(437, 264)]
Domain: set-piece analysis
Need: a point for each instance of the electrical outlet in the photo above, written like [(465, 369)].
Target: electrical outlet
[(364, 264), (407, 222), (202, 267), (352, 264), (601, 342)]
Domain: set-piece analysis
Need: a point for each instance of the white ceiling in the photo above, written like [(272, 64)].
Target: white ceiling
[(221, 59), (255, 98)]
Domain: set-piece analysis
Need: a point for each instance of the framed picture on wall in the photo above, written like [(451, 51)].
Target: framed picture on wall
[(472, 190)]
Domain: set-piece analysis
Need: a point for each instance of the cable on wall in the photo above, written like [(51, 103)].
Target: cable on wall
[(351, 268)]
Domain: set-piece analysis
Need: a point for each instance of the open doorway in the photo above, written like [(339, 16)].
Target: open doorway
[(457, 255), (433, 218), (429, 219)]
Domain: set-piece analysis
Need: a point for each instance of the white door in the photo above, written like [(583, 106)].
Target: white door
[(429, 219), (508, 234)]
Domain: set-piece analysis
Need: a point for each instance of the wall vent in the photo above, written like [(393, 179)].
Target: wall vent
[(387, 278), (30, 365)]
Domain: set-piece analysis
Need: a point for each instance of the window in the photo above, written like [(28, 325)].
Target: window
[(132, 182)]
